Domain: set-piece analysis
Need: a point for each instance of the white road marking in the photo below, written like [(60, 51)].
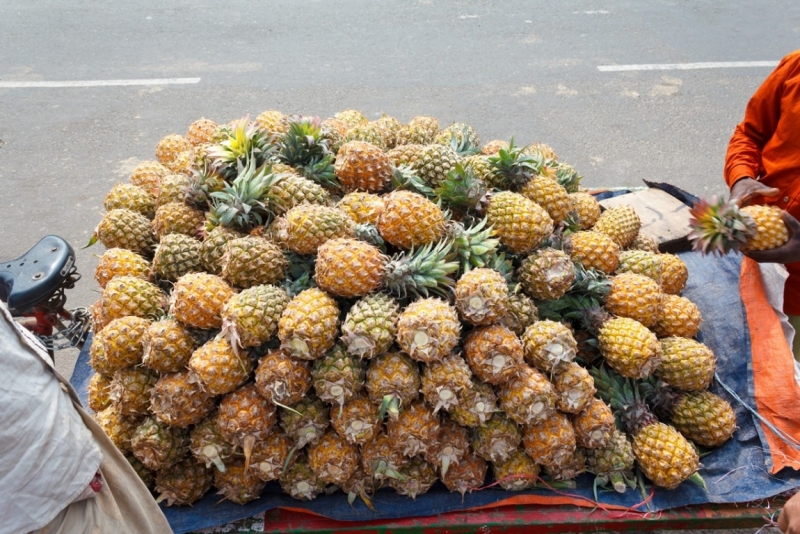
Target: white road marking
[(595, 12), (462, 17), (687, 66), (98, 83)]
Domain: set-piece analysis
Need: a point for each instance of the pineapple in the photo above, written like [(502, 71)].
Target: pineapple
[(360, 485), (176, 255), (119, 428), (369, 133), (305, 421), (519, 472), (497, 440), (362, 207), (463, 136), (363, 166), (381, 460), (410, 220), (271, 455), (404, 154), (594, 425), (178, 218), (282, 379), (613, 463), (197, 300), (720, 227), (241, 204), (99, 392), (415, 430), (352, 117), (687, 365), (147, 476), (476, 405), (358, 421), (621, 223), (130, 197), (219, 367), (300, 482), (481, 296), (549, 346), (178, 399), (635, 296), (528, 398), (550, 195), (494, 146), (570, 469), (309, 324), (547, 274), (520, 224), (97, 357), (288, 190), (593, 250), (238, 484), (628, 346), (587, 208), (120, 262), (334, 130), (641, 262), (304, 228), (184, 483), (242, 144), (443, 380), (148, 176), (467, 475), (333, 459), (522, 312), (130, 390), (172, 152), (129, 295), (246, 417), (337, 376), (645, 243), (250, 261), (663, 454), (393, 380), (550, 442), (122, 342), (273, 122), (167, 346), (450, 448), (370, 326), (98, 316), (428, 329), (388, 126), (419, 130), (122, 228), (494, 353), (574, 388), (174, 189), (677, 317), (674, 274), (433, 162), (415, 478), (208, 445), (159, 446), (213, 248), (202, 131)]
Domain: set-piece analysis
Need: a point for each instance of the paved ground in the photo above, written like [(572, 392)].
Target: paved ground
[(522, 69)]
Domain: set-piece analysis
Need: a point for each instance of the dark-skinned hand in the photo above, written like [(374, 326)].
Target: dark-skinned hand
[(789, 520), (747, 190), (789, 252)]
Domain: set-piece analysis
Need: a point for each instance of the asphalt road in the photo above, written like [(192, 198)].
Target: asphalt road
[(522, 69)]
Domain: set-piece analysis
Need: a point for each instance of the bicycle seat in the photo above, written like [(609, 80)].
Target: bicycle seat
[(36, 274)]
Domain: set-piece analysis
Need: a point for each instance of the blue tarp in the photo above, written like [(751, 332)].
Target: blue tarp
[(736, 472)]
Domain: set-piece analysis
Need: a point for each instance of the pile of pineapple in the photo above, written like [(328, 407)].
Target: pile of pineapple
[(362, 304)]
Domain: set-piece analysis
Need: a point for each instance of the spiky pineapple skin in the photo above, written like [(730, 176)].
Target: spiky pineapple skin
[(594, 425), (178, 399), (337, 376), (358, 420), (574, 388), (283, 379), (167, 346), (527, 398), (621, 223), (123, 228), (674, 274), (428, 329), (481, 296), (550, 195), (547, 274), (594, 250), (704, 418), (678, 317), (410, 220), (184, 483), (349, 268), (333, 459), (548, 345), (520, 224), (393, 373), (771, 231), (443, 380), (238, 484), (176, 255), (197, 300), (131, 197), (664, 455), (517, 473), (309, 324), (634, 296), (220, 368), (362, 166), (370, 326), (587, 208), (130, 390), (686, 364), (497, 440), (148, 175), (494, 353), (159, 446), (629, 347), (250, 261), (550, 442)]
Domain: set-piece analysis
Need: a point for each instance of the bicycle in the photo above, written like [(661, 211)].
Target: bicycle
[(34, 287)]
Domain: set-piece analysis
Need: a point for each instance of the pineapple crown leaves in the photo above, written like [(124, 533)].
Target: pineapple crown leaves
[(624, 397), (568, 177), (404, 177), (582, 301), (305, 147), (512, 167), (719, 227), (370, 234), (421, 273), (463, 191), (240, 205), (462, 139), (300, 274), (243, 141), (659, 395), (202, 183), (473, 246)]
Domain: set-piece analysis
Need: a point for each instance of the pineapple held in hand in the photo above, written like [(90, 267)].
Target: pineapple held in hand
[(719, 227)]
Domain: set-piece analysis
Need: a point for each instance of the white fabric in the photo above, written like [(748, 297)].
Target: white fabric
[(774, 276), (47, 454)]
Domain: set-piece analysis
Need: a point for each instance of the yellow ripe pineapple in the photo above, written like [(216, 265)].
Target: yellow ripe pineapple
[(120, 262), (443, 380), (428, 329), (549, 346), (122, 228), (574, 388), (703, 417), (273, 122), (644, 242), (476, 405), (99, 392), (219, 367), (305, 421), (246, 417), (362, 166), (337, 376), (546, 274), (687, 365), (119, 428), (674, 274), (519, 223), (481, 296), (410, 220), (130, 390), (129, 295), (594, 250), (159, 446), (363, 207), (213, 247), (300, 482), (641, 262), (288, 190), (202, 131), (130, 197), (517, 473), (720, 227), (450, 448), (392, 381), (677, 317), (271, 455), (629, 347), (97, 357), (369, 133), (494, 353), (594, 425), (251, 317), (197, 300), (467, 475), (370, 325), (497, 440), (178, 218), (621, 223), (306, 227), (167, 346), (99, 317), (480, 166), (333, 459), (250, 261), (309, 324), (122, 341), (176, 255), (171, 151), (333, 131), (493, 147), (587, 208), (551, 441), (351, 117), (238, 484), (282, 379), (550, 195), (404, 154), (419, 130), (634, 296), (148, 176), (208, 445), (528, 398), (358, 421), (184, 483), (178, 399)]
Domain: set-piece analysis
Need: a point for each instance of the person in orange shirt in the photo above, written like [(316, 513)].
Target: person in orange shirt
[(762, 166)]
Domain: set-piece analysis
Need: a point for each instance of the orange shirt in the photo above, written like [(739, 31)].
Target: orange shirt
[(766, 146)]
